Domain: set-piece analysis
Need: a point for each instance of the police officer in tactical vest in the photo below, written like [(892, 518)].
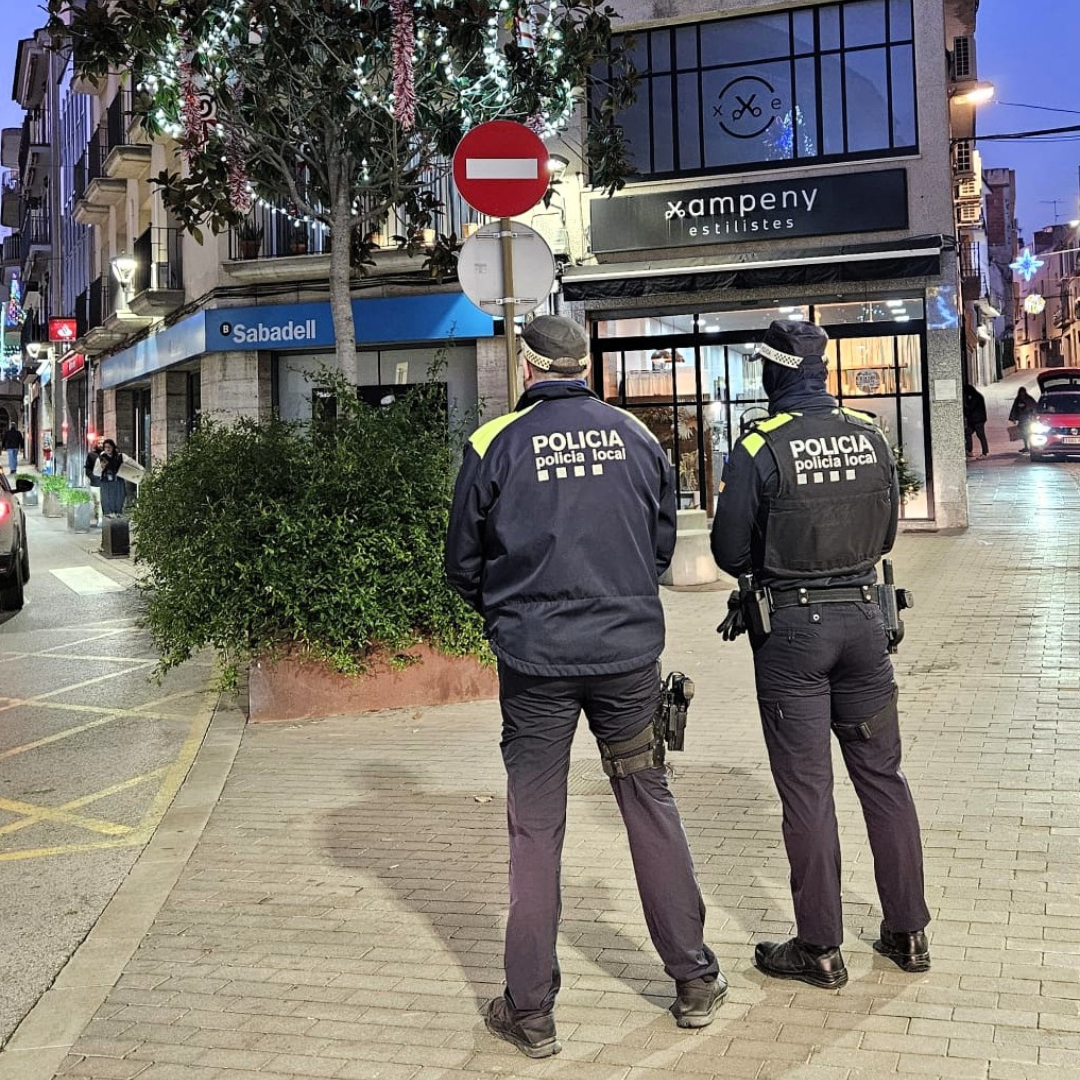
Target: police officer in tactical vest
[(563, 520), (808, 504)]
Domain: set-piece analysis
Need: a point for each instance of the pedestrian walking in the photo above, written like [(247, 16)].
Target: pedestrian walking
[(14, 444), (563, 520), (113, 488), (1022, 414), (974, 420), (92, 471), (808, 504)]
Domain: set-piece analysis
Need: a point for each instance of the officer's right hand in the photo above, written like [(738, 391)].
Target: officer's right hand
[(733, 624)]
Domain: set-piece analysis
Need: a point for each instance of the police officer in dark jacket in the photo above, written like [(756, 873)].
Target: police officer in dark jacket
[(808, 504), (562, 522)]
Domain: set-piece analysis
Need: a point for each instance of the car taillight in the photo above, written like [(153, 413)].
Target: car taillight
[(5, 510)]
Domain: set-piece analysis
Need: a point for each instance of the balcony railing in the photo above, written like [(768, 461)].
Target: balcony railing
[(157, 261), (12, 251), (35, 132), (280, 236), (35, 231)]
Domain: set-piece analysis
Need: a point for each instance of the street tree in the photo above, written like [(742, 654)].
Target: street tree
[(344, 110)]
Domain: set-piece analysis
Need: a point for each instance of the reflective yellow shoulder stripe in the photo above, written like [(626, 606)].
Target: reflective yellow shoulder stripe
[(856, 413), (779, 420), (753, 443), (483, 437)]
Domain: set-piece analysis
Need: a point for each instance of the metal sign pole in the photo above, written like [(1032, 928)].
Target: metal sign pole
[(509, 308)]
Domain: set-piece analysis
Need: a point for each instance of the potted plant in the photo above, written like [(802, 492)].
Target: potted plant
[(52, 485), (79, 507), (250, 235), (29, 498)]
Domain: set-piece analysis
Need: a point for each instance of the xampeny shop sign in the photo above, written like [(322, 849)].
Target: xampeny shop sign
[(737, 213)]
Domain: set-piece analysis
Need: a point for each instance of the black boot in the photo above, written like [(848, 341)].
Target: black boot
[(534, 1036), (906, 949), (697, 1000), (794, 959)]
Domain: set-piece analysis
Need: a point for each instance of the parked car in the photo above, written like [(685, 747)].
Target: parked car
[(14, 552), (1055, 431)]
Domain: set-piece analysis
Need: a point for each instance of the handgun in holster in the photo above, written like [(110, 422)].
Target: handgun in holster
[(676, 692), (892, 601), (754, 600)]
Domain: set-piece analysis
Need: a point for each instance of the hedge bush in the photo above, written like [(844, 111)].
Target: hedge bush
[(261, 534)]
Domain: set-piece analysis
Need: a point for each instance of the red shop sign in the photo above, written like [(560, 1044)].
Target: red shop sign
[(62, 330), (72, 365)]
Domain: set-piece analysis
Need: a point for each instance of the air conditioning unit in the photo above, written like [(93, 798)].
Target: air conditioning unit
[(963, 59), (969, 214), (965, 158)]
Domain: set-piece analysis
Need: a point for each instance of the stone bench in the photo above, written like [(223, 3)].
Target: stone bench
[(692, 563)]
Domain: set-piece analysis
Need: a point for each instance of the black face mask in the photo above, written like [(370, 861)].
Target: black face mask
[(799, 385)]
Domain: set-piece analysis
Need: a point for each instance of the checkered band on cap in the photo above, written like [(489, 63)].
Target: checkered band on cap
[(779, 357), (565, 364)]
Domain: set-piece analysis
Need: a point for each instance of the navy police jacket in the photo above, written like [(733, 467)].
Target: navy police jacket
[(562, 522)]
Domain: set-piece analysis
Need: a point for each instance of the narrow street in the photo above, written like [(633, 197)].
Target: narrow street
[(91, 752)]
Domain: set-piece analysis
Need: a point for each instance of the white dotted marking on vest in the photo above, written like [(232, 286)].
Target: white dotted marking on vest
[(543, 474), (560, 473), (834, 477), (598, 470), (801, 478), (849, 474), (579, 470), (819, 478)]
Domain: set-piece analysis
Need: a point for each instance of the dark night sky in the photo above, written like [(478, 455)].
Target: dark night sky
[(1027, 49)]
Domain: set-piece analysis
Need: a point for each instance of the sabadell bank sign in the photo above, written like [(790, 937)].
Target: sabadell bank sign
[(737, 213)]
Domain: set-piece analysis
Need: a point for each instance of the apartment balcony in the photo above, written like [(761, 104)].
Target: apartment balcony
[(35, 241), (11, 253), (95, 193), (274, 247), (971, 271), (93, 309), (31, 82), (10, 141), (124, 159), (35, 154), (10, 204), (157, 288)]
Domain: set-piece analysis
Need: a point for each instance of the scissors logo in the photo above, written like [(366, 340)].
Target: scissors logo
[(747, 106)]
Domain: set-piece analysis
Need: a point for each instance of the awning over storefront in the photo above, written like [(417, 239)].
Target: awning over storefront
[(913, 257)]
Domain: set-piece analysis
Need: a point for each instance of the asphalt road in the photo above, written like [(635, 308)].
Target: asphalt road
[(92, 751)]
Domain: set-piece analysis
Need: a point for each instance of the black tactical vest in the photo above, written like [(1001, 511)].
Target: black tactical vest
[(833, 507)]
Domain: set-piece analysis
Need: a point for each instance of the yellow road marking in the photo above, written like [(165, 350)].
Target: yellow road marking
[(47, 813), (86, 800), (174, 777)]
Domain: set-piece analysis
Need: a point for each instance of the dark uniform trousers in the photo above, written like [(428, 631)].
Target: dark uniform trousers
[(539, 718), (824, 665)]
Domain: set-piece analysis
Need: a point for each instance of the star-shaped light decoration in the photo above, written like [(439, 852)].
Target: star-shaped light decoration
[(1027, 265), (1034, 303)]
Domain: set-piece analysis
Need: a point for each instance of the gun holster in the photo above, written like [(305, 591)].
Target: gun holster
[(755, 606)]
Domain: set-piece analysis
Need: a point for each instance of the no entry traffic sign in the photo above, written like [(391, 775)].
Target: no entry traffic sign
[(500, 168)]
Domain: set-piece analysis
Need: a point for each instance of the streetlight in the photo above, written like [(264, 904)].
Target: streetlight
[(978, 93), (124, 267)]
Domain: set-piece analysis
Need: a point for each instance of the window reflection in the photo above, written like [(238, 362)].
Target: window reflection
[(751, 88)]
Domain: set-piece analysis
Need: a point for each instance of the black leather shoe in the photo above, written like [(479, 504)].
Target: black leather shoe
[(534, 1036), (794, 960), (697, 1000), (906, 949)]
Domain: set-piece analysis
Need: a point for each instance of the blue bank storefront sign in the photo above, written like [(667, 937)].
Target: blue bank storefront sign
[(395, 320), (291, 327)]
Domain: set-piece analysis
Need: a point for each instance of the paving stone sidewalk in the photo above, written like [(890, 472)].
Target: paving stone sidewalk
[(342, 914)]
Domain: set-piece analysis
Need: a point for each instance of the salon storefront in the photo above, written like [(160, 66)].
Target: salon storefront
[(790, 165)]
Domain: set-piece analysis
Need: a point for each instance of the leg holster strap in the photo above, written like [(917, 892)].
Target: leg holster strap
[(884, 718), (642, 751)]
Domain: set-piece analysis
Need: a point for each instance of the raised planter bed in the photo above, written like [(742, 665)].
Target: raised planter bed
[(298, 688)]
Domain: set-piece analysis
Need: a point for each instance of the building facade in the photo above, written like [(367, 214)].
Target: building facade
[(792, 161)]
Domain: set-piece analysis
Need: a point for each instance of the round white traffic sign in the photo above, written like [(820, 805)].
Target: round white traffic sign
[(481, 272)]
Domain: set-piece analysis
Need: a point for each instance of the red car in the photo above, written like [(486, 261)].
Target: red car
[(1055, 431)]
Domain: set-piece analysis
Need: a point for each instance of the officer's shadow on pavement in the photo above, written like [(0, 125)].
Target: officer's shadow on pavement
[(436, 850)]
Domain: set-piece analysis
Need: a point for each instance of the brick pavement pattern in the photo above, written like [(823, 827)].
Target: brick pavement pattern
[(342, 915)]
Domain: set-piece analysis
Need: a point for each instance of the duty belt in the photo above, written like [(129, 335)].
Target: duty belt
[(862, 594)]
